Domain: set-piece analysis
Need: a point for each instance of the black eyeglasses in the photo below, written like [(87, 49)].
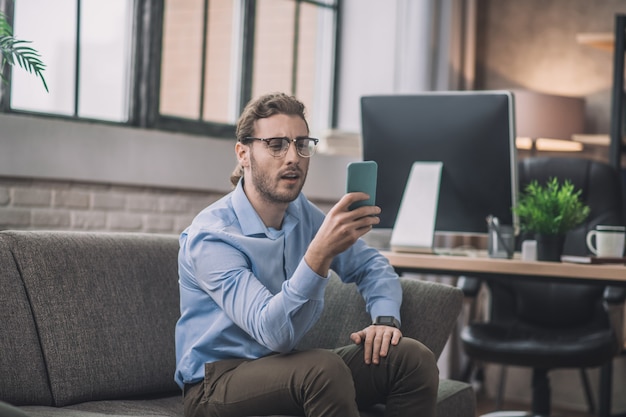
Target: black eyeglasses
[(278, 147)]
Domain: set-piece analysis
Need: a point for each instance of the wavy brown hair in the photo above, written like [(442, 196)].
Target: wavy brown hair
[(261, 108)]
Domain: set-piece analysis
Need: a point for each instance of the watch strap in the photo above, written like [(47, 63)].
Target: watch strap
[(387, 321)]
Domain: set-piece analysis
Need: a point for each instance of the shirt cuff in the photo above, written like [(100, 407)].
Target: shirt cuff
[(308, 283), (386, 308)]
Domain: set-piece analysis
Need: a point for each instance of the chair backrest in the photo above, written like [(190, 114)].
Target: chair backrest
[(601, 190), (561, 305)]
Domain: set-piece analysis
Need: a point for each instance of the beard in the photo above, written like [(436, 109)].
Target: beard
[(267, 183)]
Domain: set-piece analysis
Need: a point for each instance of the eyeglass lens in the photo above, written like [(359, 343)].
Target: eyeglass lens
[(304, 146)]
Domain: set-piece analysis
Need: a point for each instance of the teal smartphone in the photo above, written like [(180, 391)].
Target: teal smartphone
[(362, 177)]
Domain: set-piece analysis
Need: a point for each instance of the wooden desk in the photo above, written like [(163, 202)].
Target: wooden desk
[(485, 267)]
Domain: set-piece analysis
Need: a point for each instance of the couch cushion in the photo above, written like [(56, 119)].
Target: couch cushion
[(455, 399), (432, 307), (105, 305), (171, 406), (23, 377)]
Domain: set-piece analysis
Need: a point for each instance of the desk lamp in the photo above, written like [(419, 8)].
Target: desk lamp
[(546, 122)]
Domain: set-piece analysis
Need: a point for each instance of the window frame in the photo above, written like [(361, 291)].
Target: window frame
[(145, 73)]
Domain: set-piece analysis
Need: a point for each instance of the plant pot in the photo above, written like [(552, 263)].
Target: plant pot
[(549, 247)]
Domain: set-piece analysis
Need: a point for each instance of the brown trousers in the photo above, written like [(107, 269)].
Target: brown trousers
[(319, 383)]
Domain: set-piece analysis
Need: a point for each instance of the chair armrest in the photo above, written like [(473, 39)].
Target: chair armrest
[(614, 295), (469, 285), (614, 298)]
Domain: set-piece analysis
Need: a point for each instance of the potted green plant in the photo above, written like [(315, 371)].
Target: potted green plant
[(549, 211), (15, 51)]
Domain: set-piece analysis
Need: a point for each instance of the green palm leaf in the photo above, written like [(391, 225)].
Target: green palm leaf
[(14, 51), (5, 28)]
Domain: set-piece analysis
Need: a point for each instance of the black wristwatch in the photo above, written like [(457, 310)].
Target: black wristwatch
[(387, 321)]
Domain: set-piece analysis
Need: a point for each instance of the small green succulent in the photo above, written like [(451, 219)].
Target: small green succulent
[(552, 209)]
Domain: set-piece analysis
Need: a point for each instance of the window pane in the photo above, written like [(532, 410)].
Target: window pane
[(181, 67), (39, 21), (273, 47), (282, 59), (273, 56), (314, 76), (104, 59), (221, 79), (307, 51)]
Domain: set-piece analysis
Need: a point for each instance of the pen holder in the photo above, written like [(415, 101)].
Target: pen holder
[(501, 241)]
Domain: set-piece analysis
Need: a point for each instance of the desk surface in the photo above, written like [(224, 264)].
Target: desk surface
[(485, 267)]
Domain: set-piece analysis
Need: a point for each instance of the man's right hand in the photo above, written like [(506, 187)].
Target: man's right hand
[(340, 230), (376, 340)]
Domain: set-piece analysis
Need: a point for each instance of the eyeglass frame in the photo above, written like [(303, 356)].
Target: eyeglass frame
[(289, 141)]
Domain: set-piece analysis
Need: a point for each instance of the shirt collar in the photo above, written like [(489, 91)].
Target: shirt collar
[(250, 221)]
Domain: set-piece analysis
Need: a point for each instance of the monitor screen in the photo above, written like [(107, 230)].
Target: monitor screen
[(472, 133)]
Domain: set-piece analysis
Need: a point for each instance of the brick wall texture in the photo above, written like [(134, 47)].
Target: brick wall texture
[(30, 204), (47, 205)]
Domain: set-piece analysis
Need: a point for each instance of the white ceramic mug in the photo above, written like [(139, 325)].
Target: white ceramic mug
[(609, 241)]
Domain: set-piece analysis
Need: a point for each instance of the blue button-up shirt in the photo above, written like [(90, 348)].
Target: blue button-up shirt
[(246, 291)]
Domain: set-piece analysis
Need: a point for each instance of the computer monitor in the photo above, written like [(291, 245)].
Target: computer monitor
[(472, 133)]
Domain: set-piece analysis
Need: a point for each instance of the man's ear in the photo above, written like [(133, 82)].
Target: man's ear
[(243, 154)]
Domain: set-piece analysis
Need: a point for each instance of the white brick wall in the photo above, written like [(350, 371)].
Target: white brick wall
[(39, 204), (42, 204)]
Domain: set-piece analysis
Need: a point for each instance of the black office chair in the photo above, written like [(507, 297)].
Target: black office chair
[(546, 325)]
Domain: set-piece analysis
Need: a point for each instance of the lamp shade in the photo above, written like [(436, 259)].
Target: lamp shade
[(547, 116)]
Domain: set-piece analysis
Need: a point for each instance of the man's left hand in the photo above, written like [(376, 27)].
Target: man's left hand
[(376, 340)]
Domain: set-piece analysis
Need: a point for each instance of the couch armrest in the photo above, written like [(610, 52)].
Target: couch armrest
[(429, 312)]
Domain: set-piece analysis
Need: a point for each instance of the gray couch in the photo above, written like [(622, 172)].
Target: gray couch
[(87, 322)]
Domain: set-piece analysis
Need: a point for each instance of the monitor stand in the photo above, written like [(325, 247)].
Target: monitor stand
[(414, 229)]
